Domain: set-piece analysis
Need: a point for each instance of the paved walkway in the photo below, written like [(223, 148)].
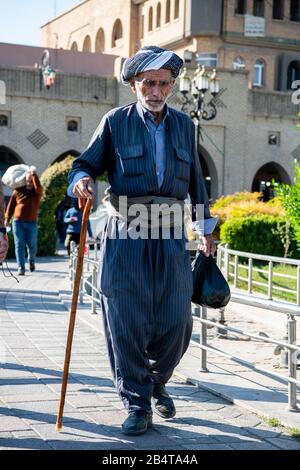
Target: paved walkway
[(33, 332)]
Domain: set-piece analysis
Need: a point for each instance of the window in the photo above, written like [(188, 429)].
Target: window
[(87, 44), (176, 9), (74, 46), (259, 73), (73, 124), (274, 138), (158, 15), (168, 8), (277, 10), (207, 59), (293, 73), (258, 8), (100, 41), (3, 120), (240, 7), (150, 19), (117, 34), (238, 63), (295, 10)]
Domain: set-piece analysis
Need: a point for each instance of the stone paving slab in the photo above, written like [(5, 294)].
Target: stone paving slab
[(93, 412)]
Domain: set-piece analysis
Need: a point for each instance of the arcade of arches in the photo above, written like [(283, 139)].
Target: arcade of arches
[(265, 175), (261, 181)]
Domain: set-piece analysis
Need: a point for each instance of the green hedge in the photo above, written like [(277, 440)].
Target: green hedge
[(260, 234), (55, 183)]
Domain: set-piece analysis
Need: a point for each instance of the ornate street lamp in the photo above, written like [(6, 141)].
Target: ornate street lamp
[(194, 90)]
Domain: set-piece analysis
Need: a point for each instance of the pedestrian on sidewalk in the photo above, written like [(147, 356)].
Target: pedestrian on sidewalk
[(23, 206), (73, 219), (148, 151), (3, 235)]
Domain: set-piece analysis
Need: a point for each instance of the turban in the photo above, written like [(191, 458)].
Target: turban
[(151, 58)]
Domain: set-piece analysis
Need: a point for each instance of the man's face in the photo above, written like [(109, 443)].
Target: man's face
[(152, 88)]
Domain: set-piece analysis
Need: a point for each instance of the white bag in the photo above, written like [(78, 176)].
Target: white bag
[(15, 175)]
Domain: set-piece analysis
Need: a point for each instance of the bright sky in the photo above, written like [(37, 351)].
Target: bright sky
[(20, 20)]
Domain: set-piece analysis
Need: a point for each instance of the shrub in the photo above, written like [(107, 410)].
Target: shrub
[(263, 234), (55, 183), (290, 197)]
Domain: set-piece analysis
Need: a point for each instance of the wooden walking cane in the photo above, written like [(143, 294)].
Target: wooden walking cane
[(78, 273)]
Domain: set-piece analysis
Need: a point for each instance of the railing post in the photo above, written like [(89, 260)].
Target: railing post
[(292, 365), (250, 266), (270, 280), (203, 339), (236, 267), (219, 257), (81, 290), (226, 261), (94, 284), (221, 332), (298, 285)]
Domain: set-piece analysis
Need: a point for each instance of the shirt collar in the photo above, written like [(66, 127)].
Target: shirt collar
[(145, 114)]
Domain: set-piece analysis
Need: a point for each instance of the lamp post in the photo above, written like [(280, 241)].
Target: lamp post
[(194, 89), (47, 73)]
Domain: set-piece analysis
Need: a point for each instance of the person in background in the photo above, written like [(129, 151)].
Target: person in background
[(23, 206), (3, 236), (73, 219)]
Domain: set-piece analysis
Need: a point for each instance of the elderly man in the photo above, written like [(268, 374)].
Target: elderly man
[(145, 282), (3, 236)]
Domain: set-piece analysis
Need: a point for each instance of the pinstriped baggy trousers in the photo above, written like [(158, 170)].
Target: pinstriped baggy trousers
[(146, 289)]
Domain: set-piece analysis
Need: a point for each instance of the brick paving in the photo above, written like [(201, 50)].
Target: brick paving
[(33, 331)]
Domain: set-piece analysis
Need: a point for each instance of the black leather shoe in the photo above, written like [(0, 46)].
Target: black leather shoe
[(162, 402), (31, 266), (137, 423)]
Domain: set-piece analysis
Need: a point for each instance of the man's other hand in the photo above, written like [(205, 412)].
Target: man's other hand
[(84, 188), (207, 246)]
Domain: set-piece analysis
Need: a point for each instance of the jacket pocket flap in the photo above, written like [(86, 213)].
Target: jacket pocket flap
[(131, 151), (183, 155)]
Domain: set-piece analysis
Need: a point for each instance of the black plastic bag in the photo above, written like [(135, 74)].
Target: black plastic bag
[(210, 287)]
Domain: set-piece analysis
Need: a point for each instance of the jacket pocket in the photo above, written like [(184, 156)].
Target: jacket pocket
[(131, 160), (183, 164)]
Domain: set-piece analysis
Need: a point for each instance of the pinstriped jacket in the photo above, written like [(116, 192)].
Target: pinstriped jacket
[(121, 145)]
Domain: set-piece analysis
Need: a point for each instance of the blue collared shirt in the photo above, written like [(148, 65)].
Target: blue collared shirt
[(158, 139)]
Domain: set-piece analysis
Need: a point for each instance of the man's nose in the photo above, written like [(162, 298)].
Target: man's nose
[(156, 90)]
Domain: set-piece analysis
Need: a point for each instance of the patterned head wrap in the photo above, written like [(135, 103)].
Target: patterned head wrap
[(151, 58)]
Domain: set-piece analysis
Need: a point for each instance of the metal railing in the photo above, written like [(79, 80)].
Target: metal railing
[(227, 258), (88, 288)]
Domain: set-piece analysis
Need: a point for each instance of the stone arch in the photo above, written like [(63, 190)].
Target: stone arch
[(117, 33), (74, 46), (264, 176), (209, 172), (158, 15), (8, 157), (150, 19), (62, 156), (87, 44), (168, 11), (100, 41)]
